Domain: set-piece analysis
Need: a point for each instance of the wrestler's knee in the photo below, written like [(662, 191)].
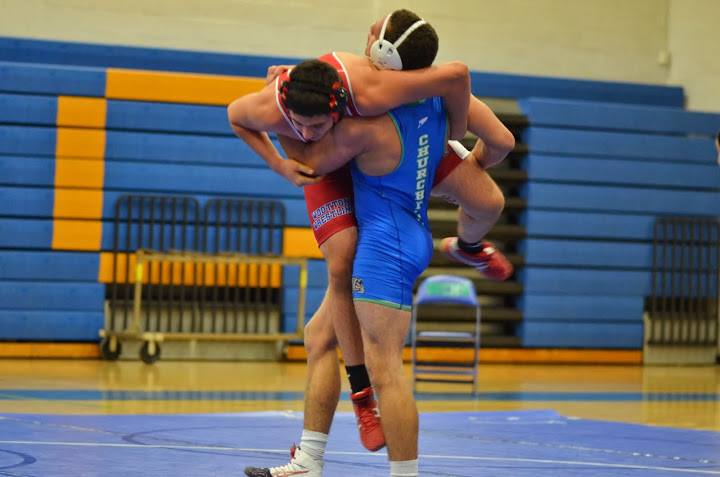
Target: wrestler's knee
[(339, 252), (384, 367), (319, 338), (486, 206), (495, 201)]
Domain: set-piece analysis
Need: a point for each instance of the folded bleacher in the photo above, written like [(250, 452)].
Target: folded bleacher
[(598, 175)]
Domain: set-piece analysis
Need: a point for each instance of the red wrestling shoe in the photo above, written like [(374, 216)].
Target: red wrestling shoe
[(368, 419), (489, 261)]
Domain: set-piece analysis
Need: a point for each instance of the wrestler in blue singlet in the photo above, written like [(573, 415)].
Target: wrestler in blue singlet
[(395, 245)]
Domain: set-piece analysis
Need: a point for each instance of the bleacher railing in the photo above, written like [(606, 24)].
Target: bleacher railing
[(684, 299), (183, 274), (160, 223)]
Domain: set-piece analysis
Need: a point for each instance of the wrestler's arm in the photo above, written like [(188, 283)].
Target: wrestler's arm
[(249, 118), (495, 140), (378, 91), (345, 141)]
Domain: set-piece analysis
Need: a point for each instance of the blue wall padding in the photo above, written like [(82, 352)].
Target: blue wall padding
[(26, 233), (18, 170), (484, 84), (25, 109), (247, 247), (180, 148), (577, 334), (48, 325), (551, 281), (317, 282), (49, 266), (259, 242), (296, 214), (515, 86), (183, 179), (38, 203), (29, 141), (198, 179), (312, 302), (619, 199), (313, 298), (181, 118), (620, 145), (578, 307), (164, 148), (123, 115), (587, 253), (622, 117), (550, 223), (50, 79), (108, 237), (26, 202), (317, 275), (57, 296), (84, 54), (611, 171)]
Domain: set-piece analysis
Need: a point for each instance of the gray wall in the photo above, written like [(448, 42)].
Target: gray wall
[(652, 41)]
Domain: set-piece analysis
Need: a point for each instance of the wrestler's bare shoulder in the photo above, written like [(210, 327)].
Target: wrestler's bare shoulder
[(261, 111), (355, 64)]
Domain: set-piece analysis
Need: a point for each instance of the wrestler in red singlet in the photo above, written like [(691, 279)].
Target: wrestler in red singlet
[(330, 202)]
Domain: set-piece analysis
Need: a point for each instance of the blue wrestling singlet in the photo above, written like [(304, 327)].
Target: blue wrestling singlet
[(395, 245)]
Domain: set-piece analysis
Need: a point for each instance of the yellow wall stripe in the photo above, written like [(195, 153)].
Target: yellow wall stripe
[(79, 162), (300, 242), (167, 273), (78, 204), (178, 87), (85, 173), (49, 350), (77, 235), (80, 143), (81, 112), (511, 355)]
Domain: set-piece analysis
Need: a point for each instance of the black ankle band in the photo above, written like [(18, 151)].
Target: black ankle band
[(469, 247), (358, 377)]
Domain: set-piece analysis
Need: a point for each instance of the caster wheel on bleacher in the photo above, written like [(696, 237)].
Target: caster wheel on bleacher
[(110, 349), (150, 352)]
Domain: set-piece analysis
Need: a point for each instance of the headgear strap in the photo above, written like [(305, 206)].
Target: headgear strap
[(384, 54)]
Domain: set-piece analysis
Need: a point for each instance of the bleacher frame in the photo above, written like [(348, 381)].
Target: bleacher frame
[(201, 327)]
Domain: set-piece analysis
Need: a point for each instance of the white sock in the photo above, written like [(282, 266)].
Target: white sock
[(404, 468), (313, 444)]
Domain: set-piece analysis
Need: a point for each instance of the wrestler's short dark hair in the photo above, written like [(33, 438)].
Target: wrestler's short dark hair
[(717, 138), (420, 48), (308, 91)]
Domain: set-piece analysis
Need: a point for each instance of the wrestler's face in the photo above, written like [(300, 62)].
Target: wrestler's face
[(312, 128), (373, 34)]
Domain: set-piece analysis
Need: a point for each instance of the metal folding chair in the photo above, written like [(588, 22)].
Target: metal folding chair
[(446, 290)]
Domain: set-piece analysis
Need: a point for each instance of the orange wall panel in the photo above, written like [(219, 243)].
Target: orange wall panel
[(300, 242), (76, 111), (77, 235), (178, 87)]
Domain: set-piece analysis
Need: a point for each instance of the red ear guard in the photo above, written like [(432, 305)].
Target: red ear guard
[(338, 100)]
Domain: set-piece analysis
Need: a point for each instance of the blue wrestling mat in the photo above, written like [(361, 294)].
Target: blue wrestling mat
[(494, 444)]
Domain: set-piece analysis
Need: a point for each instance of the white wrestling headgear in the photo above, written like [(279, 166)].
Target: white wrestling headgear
[(384, 54)]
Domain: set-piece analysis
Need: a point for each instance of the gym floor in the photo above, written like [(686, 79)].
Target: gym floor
[(583, 420)]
